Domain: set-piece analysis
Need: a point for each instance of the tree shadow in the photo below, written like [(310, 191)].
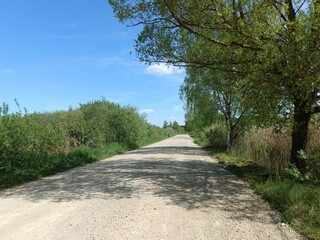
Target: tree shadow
[(191, 184), (171, 150)]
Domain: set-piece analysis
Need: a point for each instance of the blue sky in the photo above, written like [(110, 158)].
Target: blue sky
[(57, 54)]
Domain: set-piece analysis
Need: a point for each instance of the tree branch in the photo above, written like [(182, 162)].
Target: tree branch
[(300, 6), (316, 109), (291, 11), (187, 26)]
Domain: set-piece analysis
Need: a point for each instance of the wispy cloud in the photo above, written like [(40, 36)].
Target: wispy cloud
[(163, 69), (6, 70), (148, 110)]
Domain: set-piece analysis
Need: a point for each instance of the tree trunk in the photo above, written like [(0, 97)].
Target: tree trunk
[(299, 135), (230, 135)]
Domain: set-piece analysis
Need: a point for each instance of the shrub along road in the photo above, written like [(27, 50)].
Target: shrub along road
[(168, 190)]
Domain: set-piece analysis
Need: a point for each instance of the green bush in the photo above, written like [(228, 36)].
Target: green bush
[(107, 122), (216, 136), (39, 144)]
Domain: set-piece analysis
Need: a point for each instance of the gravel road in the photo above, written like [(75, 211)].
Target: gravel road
[(168, 190)]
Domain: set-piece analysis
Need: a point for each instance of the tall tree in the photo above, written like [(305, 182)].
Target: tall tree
[(200, 108), (222, 91), (278, 42)]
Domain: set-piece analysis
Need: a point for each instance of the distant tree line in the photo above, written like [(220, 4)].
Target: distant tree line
[(174, 125)]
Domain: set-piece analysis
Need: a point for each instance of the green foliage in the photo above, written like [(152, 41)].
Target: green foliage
[(298, 202), (37, 165), (175, 126), (107, 122), (39, 144), (293, 172), (212, 96), (214, 136), (268, 49), (155, 134), (217, 136), (313, 166), (200, 105)]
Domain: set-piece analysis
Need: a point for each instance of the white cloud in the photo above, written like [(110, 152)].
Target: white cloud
[(148, 110), (163, 69)]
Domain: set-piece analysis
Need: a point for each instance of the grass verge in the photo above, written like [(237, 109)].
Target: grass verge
[(299, 203), (36, 166)]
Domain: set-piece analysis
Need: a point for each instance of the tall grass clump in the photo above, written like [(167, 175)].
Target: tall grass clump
[(261, 157), (313, 147), (270, 148), (266, 147), (38, 144)]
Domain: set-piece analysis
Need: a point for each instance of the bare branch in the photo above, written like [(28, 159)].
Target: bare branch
[(300, 6)]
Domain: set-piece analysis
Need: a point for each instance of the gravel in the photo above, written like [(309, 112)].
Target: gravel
[(168, 190)]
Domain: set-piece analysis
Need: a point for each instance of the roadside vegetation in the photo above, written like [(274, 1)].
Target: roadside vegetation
[(252, 88), (261, 157), (33, 145), (255, 143)]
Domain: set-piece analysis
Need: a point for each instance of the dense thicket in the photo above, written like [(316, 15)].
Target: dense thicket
[(36, 144)]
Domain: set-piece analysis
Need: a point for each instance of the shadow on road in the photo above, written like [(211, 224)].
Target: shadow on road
[(191, 184), (170, 150)]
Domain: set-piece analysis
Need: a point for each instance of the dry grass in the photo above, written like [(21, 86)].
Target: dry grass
[(314, 140), (266, 147), (271, 149)]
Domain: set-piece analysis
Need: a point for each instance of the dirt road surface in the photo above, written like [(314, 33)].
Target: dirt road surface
[(168, 190)]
